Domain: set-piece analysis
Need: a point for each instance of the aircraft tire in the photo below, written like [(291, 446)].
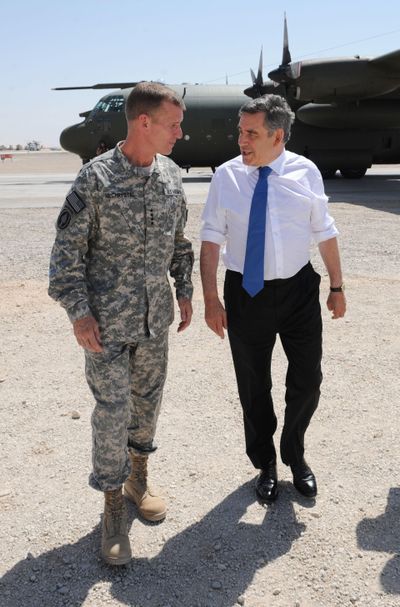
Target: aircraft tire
[(353, 173), (328, 173)]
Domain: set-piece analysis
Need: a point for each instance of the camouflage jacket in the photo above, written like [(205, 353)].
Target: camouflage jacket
[(118, 235)]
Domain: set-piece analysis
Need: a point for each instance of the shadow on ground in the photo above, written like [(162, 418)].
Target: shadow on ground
[(382, 534), (212, 562), (381, 192)]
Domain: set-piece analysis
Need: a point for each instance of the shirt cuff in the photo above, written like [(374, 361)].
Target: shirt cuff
[(79, 310), (185, 291), (211, 236), (331, 232)]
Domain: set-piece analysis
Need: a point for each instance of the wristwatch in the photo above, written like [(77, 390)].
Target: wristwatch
[(337, 289)]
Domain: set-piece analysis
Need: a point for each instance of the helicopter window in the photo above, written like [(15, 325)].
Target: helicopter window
[(115, 103)]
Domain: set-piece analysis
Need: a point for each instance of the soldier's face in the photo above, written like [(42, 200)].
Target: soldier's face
[(165, 127), (258, 146)]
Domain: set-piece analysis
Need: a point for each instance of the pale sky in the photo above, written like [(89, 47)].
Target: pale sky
[(48, 43)]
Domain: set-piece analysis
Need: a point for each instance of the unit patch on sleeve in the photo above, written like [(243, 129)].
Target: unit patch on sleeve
[(72, 206), (63, 219)]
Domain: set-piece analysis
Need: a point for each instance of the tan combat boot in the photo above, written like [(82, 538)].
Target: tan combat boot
[(115, 546), (150, 505)]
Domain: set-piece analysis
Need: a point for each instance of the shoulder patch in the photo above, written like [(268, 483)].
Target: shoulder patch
[(72, 206), (63, 219), (75, 202)]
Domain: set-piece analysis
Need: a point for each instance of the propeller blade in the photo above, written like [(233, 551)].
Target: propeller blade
[(286, 58), (287, 72), (256, 90), (260, 68)]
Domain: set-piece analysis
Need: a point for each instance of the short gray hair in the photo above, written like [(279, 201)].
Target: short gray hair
[(277, 112)]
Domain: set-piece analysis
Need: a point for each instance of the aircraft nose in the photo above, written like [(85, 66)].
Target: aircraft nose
[(72, 137), (68, 139)]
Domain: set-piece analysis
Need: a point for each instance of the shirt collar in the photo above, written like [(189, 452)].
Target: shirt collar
[(122, 159), (276, 165)]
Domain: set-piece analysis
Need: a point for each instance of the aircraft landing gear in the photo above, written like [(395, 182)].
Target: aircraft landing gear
[(328, 173), (353, 173)]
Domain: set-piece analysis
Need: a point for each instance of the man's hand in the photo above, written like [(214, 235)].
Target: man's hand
[(185, 307), (87, 334), (336, 303), (215, 316)]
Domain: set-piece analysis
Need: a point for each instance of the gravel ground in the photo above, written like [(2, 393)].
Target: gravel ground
[(218, 547)]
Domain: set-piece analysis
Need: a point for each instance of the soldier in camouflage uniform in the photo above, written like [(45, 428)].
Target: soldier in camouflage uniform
[(119, 233)]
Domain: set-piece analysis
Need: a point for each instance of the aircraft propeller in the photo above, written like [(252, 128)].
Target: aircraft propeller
[(256, 90), (283, 77), (287, 72)]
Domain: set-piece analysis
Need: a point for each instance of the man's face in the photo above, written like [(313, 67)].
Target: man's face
[(164, 127), (257, 146)]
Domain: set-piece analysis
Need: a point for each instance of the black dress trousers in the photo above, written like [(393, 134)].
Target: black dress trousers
[(288, 307)]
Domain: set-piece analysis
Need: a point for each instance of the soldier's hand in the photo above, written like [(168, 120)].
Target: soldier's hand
[(87, 333), (215, 316), (185, 307)]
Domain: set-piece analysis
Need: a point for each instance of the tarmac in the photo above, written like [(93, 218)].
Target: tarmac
[(218, 547), (33, 189)]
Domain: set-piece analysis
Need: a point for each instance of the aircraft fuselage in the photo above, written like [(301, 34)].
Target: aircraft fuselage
[(334, 136)]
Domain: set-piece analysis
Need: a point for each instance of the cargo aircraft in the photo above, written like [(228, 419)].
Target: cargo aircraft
[(347, 114)]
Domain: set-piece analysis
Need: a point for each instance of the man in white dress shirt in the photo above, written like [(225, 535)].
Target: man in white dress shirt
[(288, 300)]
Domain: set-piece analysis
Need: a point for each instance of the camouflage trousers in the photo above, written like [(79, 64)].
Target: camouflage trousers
[(127, 382)]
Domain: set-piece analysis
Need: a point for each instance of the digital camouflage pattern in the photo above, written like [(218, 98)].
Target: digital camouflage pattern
[(127, 382), (118, 235)]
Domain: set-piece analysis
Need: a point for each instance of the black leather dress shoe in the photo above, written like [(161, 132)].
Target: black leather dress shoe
[(304, 479), (267, 484)]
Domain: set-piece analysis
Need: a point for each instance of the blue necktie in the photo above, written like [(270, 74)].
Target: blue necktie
[(253, 272)]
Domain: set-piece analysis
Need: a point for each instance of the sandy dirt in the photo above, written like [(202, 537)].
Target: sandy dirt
[(218, 546)]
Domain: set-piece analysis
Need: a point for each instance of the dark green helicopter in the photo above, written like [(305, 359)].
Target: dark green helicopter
[(347, 114)]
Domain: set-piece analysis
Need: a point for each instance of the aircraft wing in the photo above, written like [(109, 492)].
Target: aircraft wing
[(390, 63), (106, 85)]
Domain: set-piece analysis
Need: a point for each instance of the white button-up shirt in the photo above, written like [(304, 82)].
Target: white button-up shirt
[(297, 213)]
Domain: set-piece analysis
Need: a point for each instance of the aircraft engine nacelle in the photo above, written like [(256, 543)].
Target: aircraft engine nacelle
[(364, 115)]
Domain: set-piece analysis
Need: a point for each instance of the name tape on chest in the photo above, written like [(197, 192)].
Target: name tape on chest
[(72, 206)]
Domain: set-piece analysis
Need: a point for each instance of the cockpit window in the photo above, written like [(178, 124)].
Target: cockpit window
[(114, 103)]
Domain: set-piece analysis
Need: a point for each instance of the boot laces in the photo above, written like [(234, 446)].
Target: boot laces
[(115, 509), (139, 468), (142, 467)]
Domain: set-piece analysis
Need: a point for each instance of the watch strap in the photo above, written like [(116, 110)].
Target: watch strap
[(337, 289)]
